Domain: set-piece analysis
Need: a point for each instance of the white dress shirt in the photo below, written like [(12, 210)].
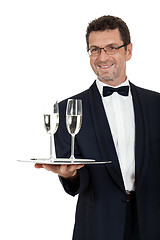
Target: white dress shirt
[(120, 115)]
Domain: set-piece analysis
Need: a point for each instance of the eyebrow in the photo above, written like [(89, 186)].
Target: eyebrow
[(111, 44)]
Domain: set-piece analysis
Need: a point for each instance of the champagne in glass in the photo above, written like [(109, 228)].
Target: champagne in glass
[(74, 123), (51, 122), (73, 120)]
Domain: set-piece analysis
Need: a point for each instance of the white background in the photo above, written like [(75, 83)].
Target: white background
[(34, 69)]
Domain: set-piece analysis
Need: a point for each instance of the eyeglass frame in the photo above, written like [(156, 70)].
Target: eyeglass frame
[(117, 48)]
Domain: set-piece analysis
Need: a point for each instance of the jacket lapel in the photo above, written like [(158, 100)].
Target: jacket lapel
[(141, 133), (104, 136)]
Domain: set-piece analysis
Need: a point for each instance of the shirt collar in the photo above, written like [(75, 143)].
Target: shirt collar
[(100, 85)]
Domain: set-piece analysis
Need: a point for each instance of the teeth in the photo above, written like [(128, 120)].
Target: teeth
[(105, 67)]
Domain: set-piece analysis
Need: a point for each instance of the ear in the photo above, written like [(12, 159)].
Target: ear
[(129, 52)]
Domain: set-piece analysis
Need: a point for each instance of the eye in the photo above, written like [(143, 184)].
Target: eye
[(95, 50), (111, 47)]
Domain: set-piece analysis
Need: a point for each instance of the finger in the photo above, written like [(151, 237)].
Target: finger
[(79, 166), (55, 168), (38, 165), (49, 167), (63, 169), (75, 167)]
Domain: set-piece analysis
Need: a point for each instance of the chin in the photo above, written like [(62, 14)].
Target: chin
[(105, 79)]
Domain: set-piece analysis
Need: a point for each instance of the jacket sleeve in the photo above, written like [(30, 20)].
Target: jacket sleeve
[(79, 185)]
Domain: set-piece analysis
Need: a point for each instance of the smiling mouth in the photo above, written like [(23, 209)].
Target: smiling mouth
[(105, 66)]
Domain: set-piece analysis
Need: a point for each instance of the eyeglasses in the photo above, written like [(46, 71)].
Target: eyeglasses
[(110, 50)]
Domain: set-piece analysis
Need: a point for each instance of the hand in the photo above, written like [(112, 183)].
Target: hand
[(65, 171)]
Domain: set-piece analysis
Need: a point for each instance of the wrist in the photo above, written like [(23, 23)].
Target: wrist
[(72, 178)]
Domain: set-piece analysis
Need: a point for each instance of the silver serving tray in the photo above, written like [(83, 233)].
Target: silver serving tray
[(61, 161)]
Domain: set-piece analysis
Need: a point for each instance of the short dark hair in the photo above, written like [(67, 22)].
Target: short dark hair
[(109, 23)]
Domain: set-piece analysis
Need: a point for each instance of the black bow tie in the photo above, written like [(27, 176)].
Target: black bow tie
[(107, 91)]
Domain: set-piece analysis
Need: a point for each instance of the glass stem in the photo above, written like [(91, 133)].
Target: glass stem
[(52, 149), (72, 146)]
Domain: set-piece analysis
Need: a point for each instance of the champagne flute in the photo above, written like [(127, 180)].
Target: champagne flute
[(73, 121), (51, 122)]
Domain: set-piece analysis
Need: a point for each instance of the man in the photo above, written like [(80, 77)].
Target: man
[(121, 123)]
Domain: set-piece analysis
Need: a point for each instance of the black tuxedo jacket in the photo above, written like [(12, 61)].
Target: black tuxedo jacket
[(101, 206)]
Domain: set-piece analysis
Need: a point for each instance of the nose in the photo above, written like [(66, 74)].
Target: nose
[(103, 55)]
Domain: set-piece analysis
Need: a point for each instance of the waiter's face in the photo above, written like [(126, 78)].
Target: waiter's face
[(110, 69)]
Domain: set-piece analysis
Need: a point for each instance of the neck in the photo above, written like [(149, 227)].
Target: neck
[(113, 82)]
